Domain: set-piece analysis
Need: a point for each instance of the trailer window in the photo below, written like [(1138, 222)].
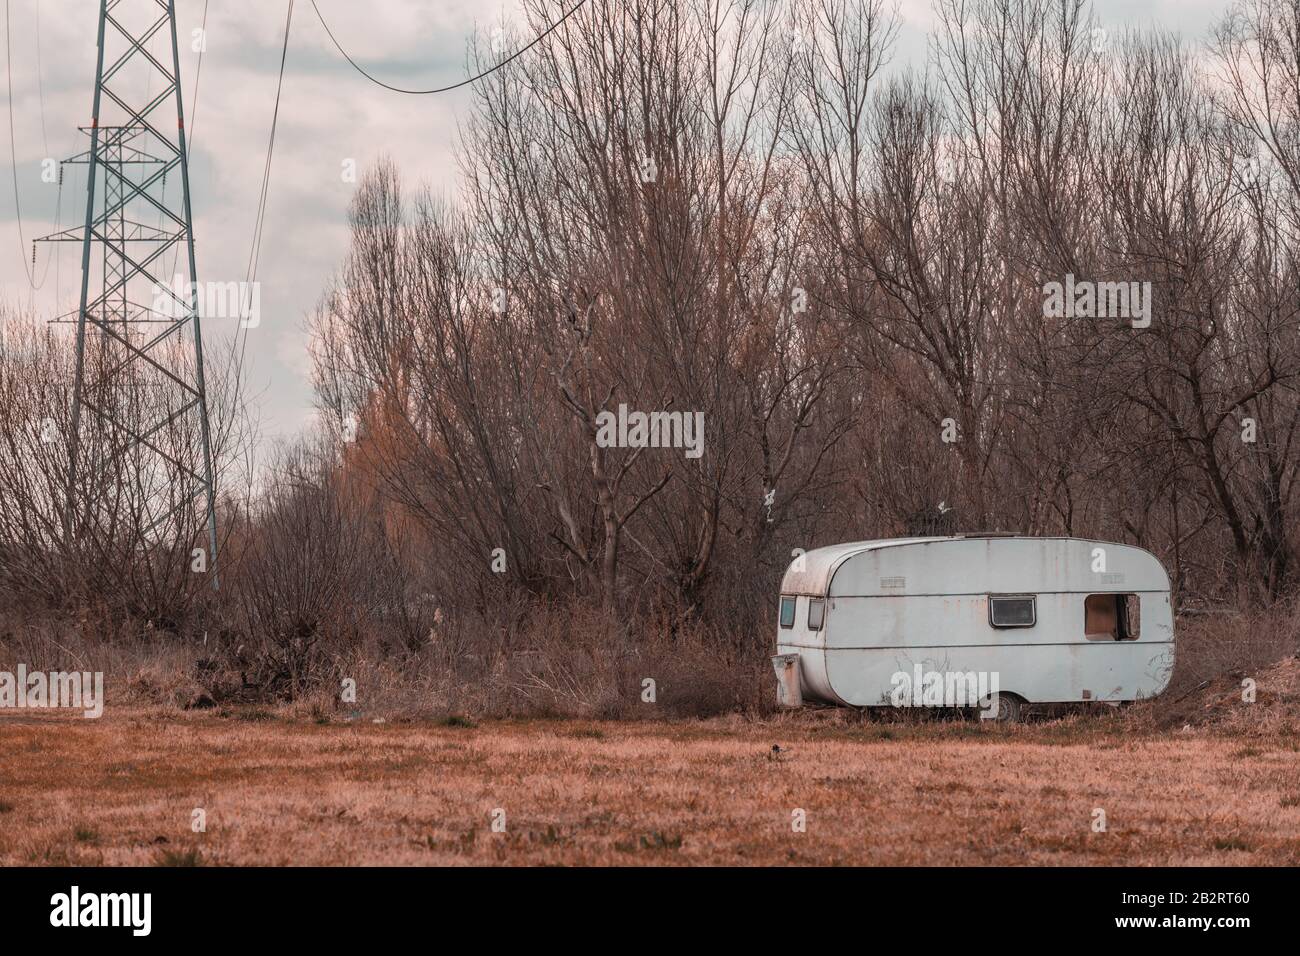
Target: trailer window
[(1012, 610), (816, 613), (787, 612), (1112, 617)]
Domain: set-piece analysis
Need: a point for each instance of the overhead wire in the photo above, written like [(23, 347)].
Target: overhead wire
[(198, 73), (56, 254), (29, 270), (53, 257), (454, 86), (255, 250), (259, 220)]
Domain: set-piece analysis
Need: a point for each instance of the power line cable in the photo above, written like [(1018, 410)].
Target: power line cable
[(53, 254), (13, 155), (255, 250), (40, 79), (260, 218), (58, 201), (455, 86), (198, 73)]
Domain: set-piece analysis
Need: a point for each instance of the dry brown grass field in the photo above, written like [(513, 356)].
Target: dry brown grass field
[(1219, 783)]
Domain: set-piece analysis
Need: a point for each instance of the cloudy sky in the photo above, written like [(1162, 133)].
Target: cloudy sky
[(328, 115)]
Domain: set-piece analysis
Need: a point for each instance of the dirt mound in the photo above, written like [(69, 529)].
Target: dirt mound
[(1226, 702)]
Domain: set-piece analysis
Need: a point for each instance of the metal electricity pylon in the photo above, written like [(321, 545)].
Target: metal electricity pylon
[(139, 402)]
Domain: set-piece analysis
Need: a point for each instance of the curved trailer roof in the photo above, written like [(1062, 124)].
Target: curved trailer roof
[(818, 565), (972, 568)]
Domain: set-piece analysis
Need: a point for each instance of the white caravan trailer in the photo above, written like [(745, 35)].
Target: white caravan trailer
[(1030, 620)]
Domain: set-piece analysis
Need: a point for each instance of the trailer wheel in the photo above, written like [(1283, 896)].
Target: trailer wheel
[(1010, 708)]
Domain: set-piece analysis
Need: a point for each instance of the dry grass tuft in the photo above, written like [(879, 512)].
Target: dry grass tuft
[(1222, 704)]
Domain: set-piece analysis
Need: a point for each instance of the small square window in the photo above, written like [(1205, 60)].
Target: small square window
[(1112, 617), (1012, 611), (787, 611), (816, 613)]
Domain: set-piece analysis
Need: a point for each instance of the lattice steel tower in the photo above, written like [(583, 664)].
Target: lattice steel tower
[(139, 363)]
